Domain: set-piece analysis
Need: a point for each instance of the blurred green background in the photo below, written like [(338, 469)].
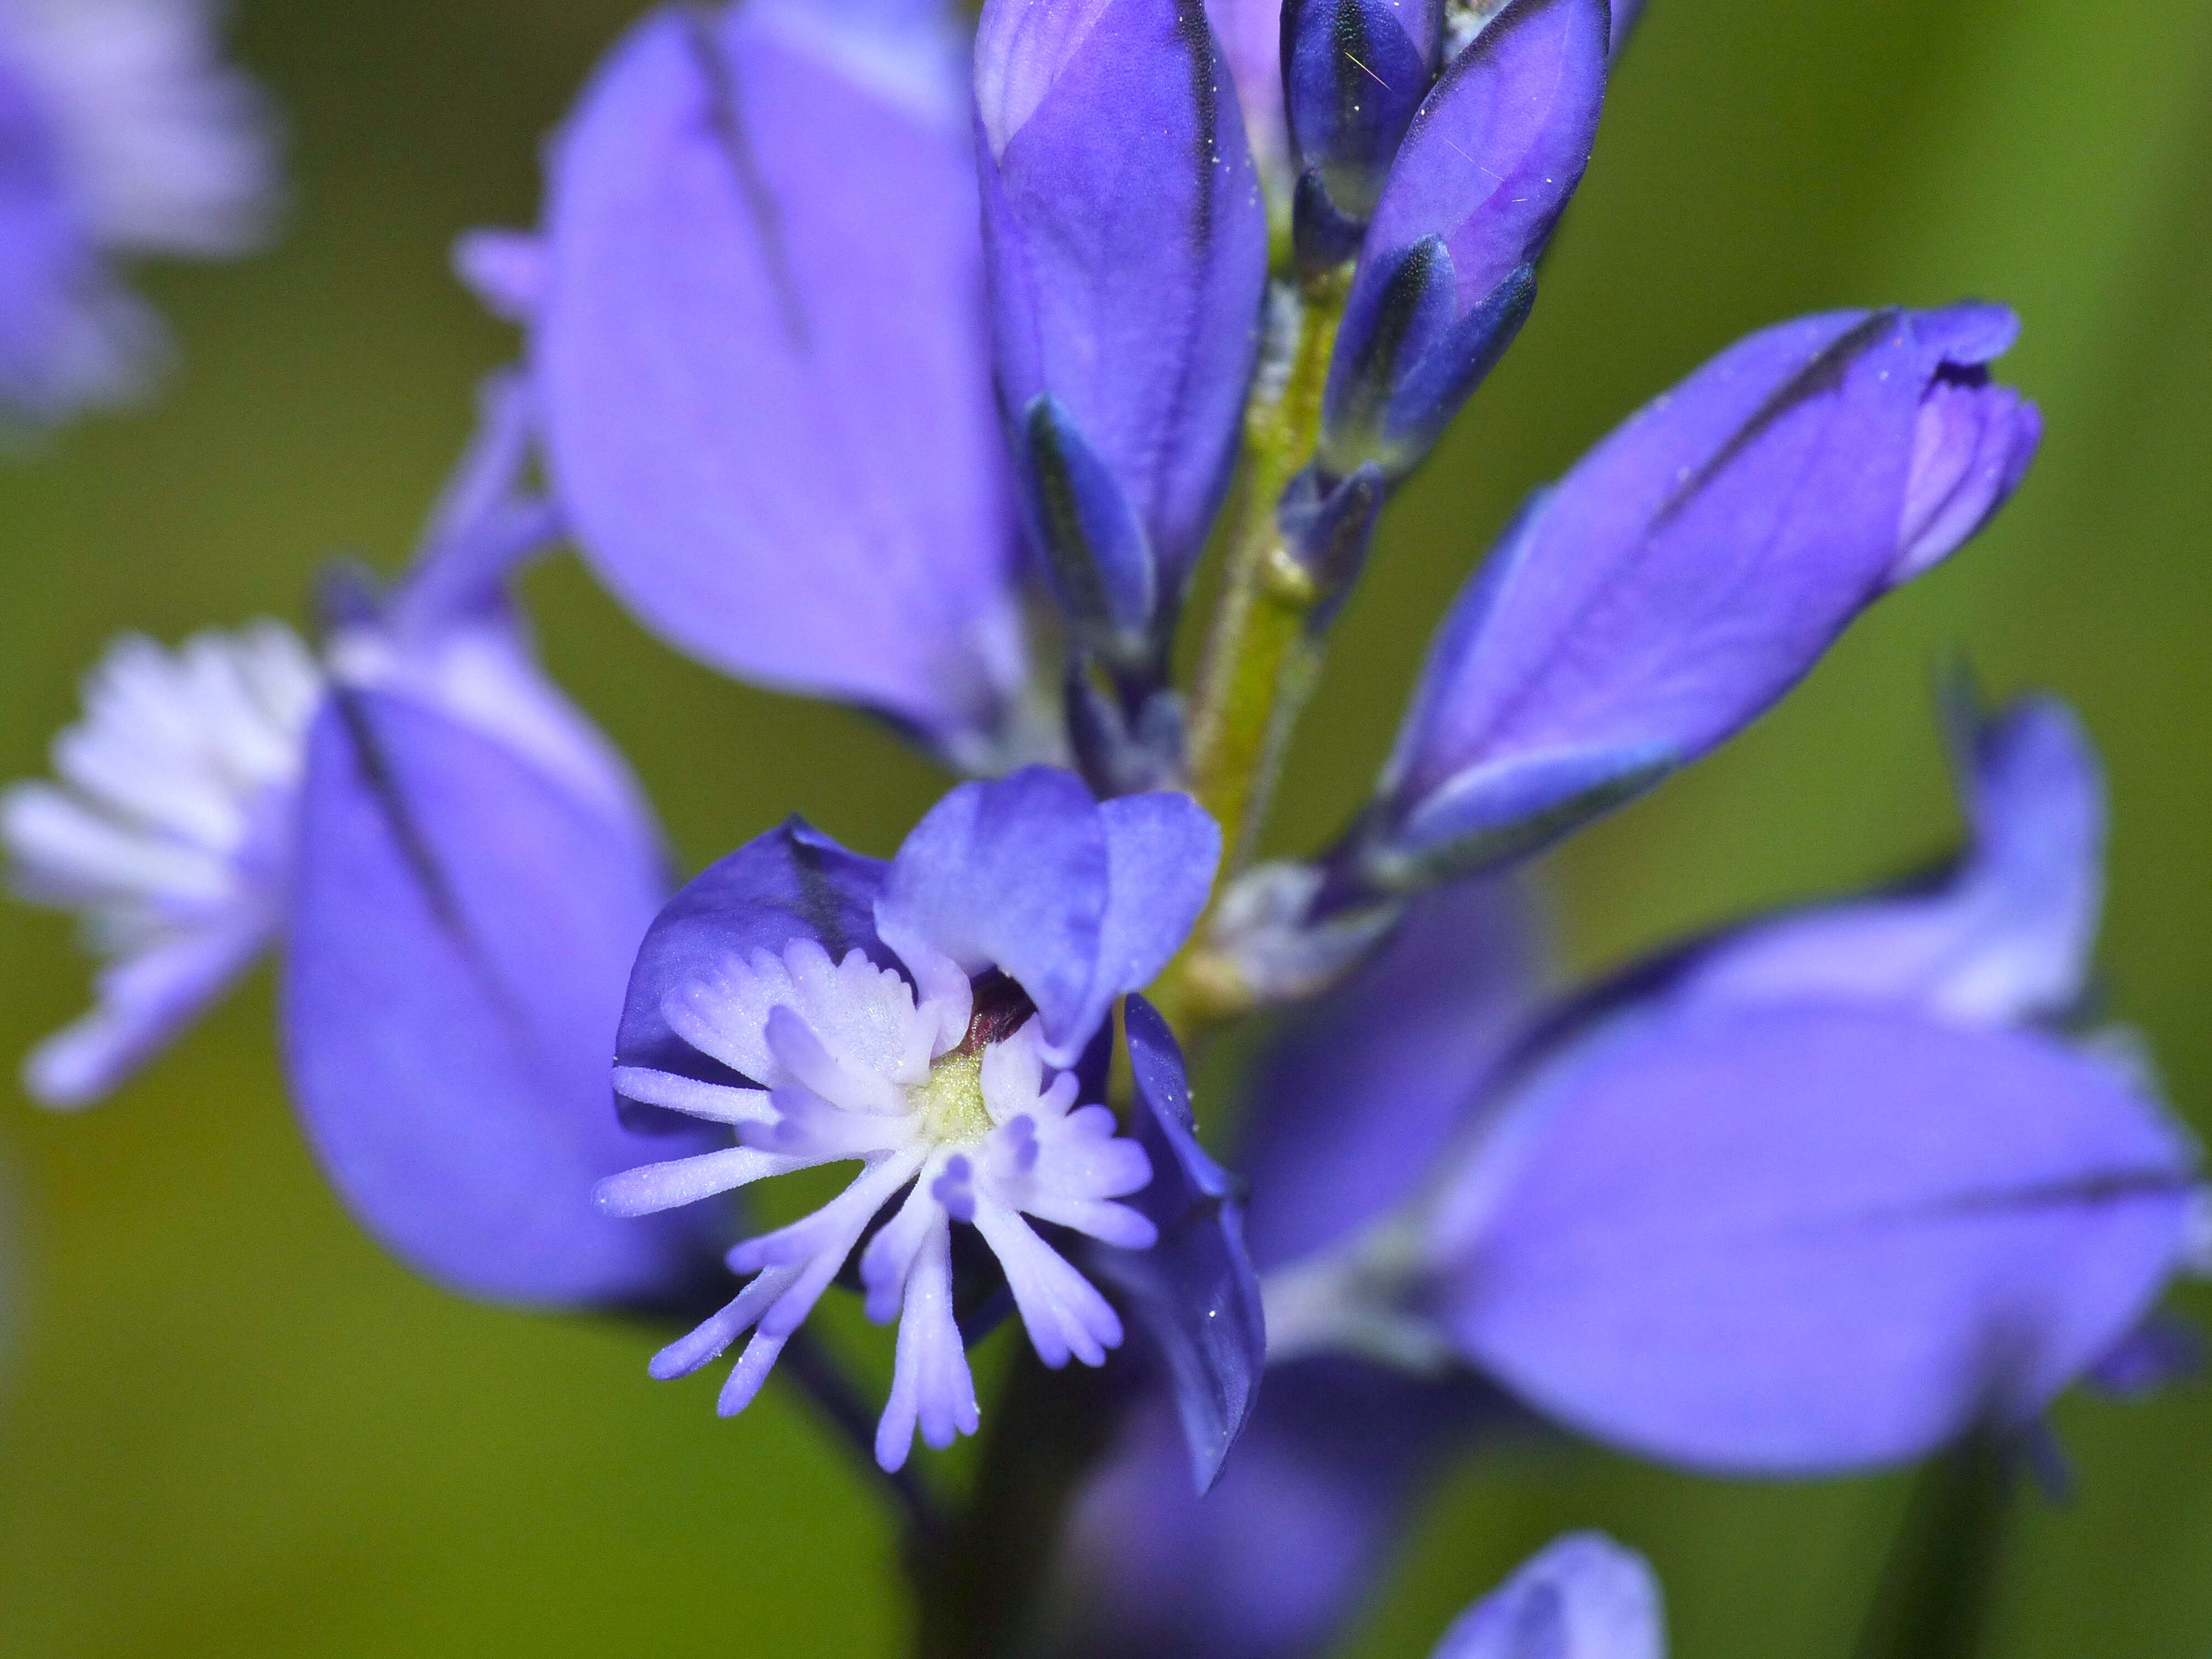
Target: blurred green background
[(229, 1425)]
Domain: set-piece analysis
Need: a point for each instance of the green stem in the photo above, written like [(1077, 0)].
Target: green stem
[(983, 1594), (1939, 1587), (1262, 656)]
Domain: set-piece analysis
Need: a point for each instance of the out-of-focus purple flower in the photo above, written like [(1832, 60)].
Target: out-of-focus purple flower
[(121, 132), (1272, 1561), (476, 869), (171, 830), (1582, 1596), (450, 636), (2154, 1355), (506, 270), (1804, 1239), (1127, 246), (1820, 1205), (460, 869), (922, 1017), (758, 219), (1691, 569), (1447, 269), (461, 925), (173, 827), (1353, 72)]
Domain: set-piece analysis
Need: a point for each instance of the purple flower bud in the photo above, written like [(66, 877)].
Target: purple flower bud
[(1097, 552), (1582, 1596), (1354, 72), (1446, 270), (758, 218), (1127, 244), (1692, 569)]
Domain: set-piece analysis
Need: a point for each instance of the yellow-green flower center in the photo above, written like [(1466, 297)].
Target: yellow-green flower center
[(951, 1101)]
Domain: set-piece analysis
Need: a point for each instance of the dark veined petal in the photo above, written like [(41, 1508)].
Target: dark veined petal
[(758, 219), (1802, 1239), (1683, 576), (1356, 72), (460, 929)]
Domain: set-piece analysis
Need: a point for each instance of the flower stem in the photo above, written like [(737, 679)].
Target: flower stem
[(1266, 596), (1262, 658)]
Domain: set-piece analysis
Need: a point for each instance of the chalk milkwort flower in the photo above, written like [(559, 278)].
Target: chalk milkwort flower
[(867, 361), (930, 1018), (447, 1003)]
